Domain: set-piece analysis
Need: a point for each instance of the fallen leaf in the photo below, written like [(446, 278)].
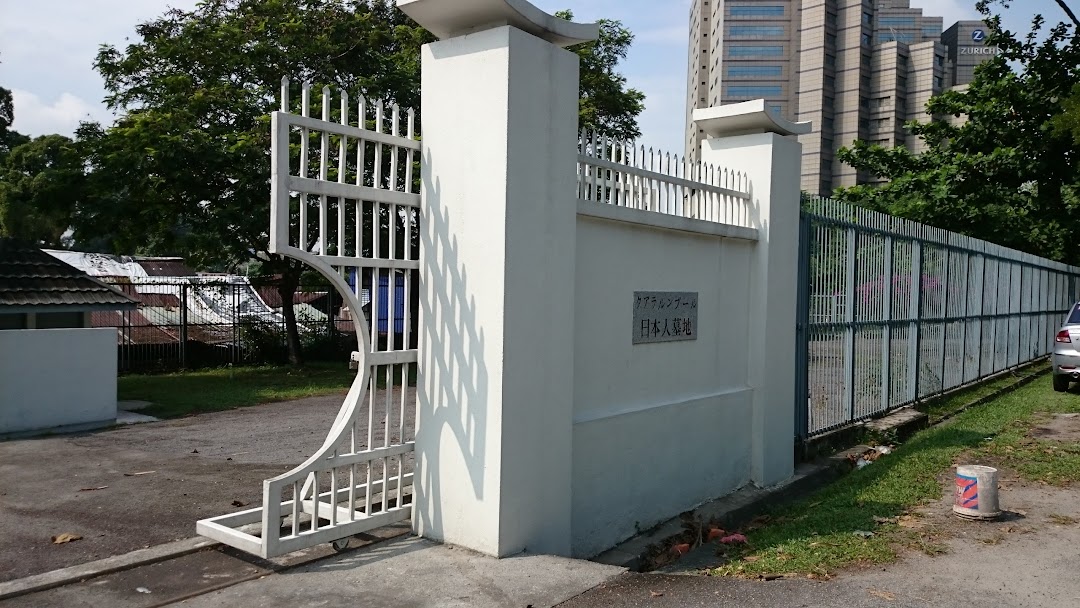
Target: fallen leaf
[(681, 549), (715, 533), (656, 593), (142, 590), (885, 595), (93, 489), (751, 558), (194, 451), (239, 503), (863, 533), (885, 520), (60, 539), (139, 473)]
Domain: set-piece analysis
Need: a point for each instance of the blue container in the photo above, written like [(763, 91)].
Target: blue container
[(384, 300)]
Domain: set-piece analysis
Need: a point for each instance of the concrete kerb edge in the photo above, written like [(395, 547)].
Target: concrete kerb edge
[(741, 505), (101, 567), (733, 509), (994, 395), (145, 557)]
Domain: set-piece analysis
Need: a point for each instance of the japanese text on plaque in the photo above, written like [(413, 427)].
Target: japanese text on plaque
[(665, 316)]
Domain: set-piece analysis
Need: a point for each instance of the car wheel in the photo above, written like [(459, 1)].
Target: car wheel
[(1061, 383)]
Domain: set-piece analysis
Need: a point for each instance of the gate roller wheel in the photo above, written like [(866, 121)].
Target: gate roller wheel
[(340, 544)]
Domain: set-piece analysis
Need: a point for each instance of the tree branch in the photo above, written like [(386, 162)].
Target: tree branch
[(1068, 11)]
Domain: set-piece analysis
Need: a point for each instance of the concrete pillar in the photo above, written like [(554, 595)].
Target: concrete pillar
[(495, 383), (746, 137)]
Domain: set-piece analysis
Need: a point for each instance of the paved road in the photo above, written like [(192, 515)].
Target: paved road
[(200, 465)]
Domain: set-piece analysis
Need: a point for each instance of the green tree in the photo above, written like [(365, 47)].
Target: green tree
[(185, 169), (1002, 162), (41, 182), (607, 105), (9, 138)]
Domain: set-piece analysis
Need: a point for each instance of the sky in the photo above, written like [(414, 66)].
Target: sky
[(47, 49)]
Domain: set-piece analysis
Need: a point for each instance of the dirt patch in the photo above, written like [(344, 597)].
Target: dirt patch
[(1059, 427), (1027, 508)]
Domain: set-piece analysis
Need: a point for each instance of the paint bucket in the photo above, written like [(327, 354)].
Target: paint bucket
[(976, 492)]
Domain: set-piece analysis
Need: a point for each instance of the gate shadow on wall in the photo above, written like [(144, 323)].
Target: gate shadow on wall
[(463, 363)]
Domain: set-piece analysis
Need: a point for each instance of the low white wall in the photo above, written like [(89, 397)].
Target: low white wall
[(56, 378), (662, 427)]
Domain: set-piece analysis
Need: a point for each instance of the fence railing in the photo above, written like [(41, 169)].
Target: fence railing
[(893, 312), (624, 174), (186, 323)]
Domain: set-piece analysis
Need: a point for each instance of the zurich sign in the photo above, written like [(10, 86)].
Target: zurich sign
[(978, 35)]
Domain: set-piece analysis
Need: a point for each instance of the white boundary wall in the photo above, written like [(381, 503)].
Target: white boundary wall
[(661, 427), (57, 378), (541, 426)]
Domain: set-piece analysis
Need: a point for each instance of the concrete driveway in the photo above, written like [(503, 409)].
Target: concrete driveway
[(130, 487)]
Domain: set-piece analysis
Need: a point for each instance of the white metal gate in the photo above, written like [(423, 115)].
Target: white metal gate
[(355, 222)]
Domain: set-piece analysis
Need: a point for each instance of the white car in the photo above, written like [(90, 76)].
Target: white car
[(1066, 357)]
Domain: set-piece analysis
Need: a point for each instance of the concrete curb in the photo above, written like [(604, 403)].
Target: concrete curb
[(994, 395), (108, 565), (180, 548), (732, 510)]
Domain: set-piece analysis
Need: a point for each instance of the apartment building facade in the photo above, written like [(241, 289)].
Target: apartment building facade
[(857, 69)]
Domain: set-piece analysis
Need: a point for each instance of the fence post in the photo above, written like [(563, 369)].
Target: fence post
[(183, 325), (944, 316), (886, 330), (914, 312), (802, 328), (495, 374), (849, 323), (748, 136)]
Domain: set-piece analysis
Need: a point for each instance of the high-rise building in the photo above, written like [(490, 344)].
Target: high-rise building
[(857, 69)]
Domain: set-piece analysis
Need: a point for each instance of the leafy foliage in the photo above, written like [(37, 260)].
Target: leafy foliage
[(1004, 166), (40, 184), (606, 104)]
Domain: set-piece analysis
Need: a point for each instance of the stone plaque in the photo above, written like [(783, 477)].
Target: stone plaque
[(665, 316)]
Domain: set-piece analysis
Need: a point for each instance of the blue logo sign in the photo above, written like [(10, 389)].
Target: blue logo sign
[(978, 35)]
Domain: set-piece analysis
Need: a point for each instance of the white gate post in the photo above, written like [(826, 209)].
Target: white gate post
[(747, 137), (495, 386)]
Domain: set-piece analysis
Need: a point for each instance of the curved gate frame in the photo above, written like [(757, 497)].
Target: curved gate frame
[(348, 506)]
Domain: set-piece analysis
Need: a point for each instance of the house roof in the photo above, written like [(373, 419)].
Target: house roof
[(165, 267), (34, 281)]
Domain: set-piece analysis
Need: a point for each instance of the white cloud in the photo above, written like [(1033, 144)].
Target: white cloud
[(62, 114)]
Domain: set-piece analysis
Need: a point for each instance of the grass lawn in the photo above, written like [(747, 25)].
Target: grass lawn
[(817, 535), (212, 390)]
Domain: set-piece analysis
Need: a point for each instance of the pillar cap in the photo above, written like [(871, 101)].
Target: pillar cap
[(452, 18), (746, 117)]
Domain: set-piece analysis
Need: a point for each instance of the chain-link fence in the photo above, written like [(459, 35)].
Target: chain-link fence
[(893, 312), (195, 322)]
